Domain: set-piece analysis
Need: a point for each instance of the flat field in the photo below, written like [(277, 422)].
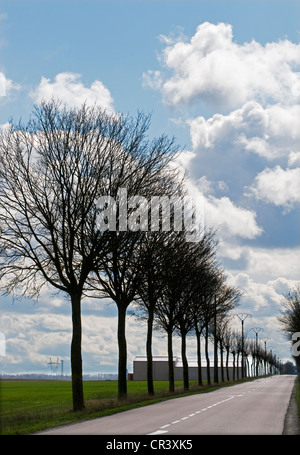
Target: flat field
[(31, 406)]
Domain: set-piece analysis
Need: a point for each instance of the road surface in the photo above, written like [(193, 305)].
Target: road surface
[(252, 408)]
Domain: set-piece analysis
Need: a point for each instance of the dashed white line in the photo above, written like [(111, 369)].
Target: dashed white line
[(161, 430), (157, 432)]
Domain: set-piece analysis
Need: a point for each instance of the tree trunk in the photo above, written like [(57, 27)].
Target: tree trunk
[(233, 369), (171, 363), (149, 352), (184, 362), (222, 363), (216, 372), (76, 359), (227, 364), (198, 337), (247, 368), (207, 355), (122, 367)]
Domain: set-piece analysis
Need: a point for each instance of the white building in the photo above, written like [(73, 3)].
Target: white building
[(161, 369)]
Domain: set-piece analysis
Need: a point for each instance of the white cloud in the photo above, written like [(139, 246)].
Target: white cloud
[(278, 186), (233, 221), (263, 264), (294, 159), (32, 338), (7, 86), (222, 214), (258, 295), (215, 69), (152, 79), (271, 132), (2, 85), (70, 90)]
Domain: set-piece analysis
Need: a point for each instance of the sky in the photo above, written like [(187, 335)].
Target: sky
[(223, 78)]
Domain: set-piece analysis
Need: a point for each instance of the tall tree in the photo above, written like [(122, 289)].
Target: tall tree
[(166, 311), (140, 171), (225, 300), (51, 174), (150, 291), (197, 258), (56, 174)]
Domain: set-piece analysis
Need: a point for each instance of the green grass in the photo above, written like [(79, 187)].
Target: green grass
[(31, 406)]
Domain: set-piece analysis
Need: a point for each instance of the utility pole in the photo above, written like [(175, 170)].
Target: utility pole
[(242, 317)]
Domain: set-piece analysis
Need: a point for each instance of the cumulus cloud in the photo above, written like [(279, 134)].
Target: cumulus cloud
[(263, 264), (212, 67), (231, 219), (294, 159), (71, 91), (221, 213), (7, 86), (278, 186), (2, 84), (32, 338), (271, 132), (257, 294)]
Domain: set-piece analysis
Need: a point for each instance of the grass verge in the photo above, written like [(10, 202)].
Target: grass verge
[(31, 406)]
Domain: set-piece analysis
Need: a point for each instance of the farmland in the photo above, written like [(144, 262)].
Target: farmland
[(31, 406)]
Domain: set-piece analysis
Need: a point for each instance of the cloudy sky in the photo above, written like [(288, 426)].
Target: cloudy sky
[(223, 78)]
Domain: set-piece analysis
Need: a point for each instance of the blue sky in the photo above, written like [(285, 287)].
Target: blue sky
[(223, 78)]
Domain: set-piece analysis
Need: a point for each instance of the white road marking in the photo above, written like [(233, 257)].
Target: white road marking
[(157, 432), (161, 431)]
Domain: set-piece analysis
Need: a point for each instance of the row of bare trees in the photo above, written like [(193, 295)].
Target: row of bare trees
[(243, 351), (183, 293), (72, 187), (54, 170)]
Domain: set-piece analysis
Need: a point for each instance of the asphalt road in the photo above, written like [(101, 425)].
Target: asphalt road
[(252, 408)]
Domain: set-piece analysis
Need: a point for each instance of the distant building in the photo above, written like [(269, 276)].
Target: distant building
[(161, 369)]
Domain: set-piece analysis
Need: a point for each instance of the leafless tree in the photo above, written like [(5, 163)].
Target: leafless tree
[(52, 172), (150, 291), (166, 311), (197, 258), (227, 339), (143, 171)]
